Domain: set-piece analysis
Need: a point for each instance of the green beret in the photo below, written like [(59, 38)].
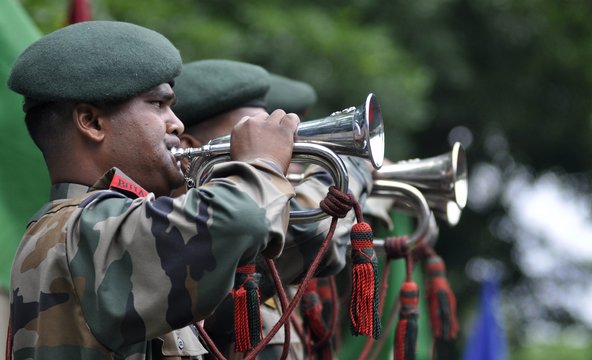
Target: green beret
[(94, 61), (290, 95), (207, 88)]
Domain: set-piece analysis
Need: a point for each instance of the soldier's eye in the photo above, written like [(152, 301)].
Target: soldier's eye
[(156, 103)]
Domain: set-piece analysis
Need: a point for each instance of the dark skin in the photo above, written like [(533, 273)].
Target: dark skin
[(137, 135), (220, 125)]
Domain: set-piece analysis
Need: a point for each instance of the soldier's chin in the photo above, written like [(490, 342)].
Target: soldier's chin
[(178, 170), (179, 179)]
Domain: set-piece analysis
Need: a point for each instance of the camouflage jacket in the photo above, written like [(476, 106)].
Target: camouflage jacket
[(304, 240), (302, 244), (103, 272)]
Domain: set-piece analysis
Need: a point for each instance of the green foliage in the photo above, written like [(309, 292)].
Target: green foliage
[(335, 52), (542, 351), (516, 74)]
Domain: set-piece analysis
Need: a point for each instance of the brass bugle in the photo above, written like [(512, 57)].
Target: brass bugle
[(355, 131), (441, 179)]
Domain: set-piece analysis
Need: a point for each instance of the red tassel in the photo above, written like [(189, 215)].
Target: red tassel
[(406, 332), (364, 298), (326, 296), (312, 309), (327, 291), (441, 300), (324, 343), (247, 318)]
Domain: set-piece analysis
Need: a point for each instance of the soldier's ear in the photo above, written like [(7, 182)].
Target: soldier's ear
[(188, 141), (89, 121)]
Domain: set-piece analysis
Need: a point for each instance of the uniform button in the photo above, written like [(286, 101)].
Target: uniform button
[(180, 343)]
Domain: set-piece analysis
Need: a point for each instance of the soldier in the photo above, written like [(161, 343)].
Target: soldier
[(290, 95), (212, 96), (299, 97), (112, 267)]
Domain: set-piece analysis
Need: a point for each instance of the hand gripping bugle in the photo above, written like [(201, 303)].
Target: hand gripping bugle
[(355, 131)]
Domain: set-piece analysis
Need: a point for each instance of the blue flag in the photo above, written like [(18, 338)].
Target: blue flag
[(487, 341)]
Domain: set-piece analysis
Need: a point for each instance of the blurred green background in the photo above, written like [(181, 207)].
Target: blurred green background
[(510, 80)]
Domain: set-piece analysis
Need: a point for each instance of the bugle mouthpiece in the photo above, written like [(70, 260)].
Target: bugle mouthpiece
[(179, 153)]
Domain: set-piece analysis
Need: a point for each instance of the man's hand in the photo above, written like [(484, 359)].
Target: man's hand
[(264, 136)]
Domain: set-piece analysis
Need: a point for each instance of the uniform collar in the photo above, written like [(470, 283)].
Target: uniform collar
[(113, 179), (61, 191)]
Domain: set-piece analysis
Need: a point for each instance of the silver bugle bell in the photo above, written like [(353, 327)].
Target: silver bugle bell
[(441, 179), (355, 131)]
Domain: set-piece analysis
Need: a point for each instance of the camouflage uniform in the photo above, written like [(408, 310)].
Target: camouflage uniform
[(214, 92), (103, 272), (304, 240), (302, 244)]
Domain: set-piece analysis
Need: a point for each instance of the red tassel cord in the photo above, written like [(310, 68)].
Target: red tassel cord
[(395, 248), (406, 332), (365, 293), (346, 201), (327, 290), (337, 204), (247, 318), (312, 311), (441, 299)]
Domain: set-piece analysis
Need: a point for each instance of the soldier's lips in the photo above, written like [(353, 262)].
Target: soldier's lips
[(172, 142), (178, 164)]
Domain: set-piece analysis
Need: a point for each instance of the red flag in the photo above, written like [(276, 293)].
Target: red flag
[(79, 11)]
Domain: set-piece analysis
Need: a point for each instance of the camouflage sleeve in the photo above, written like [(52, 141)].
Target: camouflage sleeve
[(143, 267), (304, 240)]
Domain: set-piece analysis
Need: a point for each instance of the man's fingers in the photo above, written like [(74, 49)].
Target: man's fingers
[(290, 119), (276, 116), (242, 120)]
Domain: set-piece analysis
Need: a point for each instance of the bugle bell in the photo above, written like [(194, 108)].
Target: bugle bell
[(355, 131), (441, 179)]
